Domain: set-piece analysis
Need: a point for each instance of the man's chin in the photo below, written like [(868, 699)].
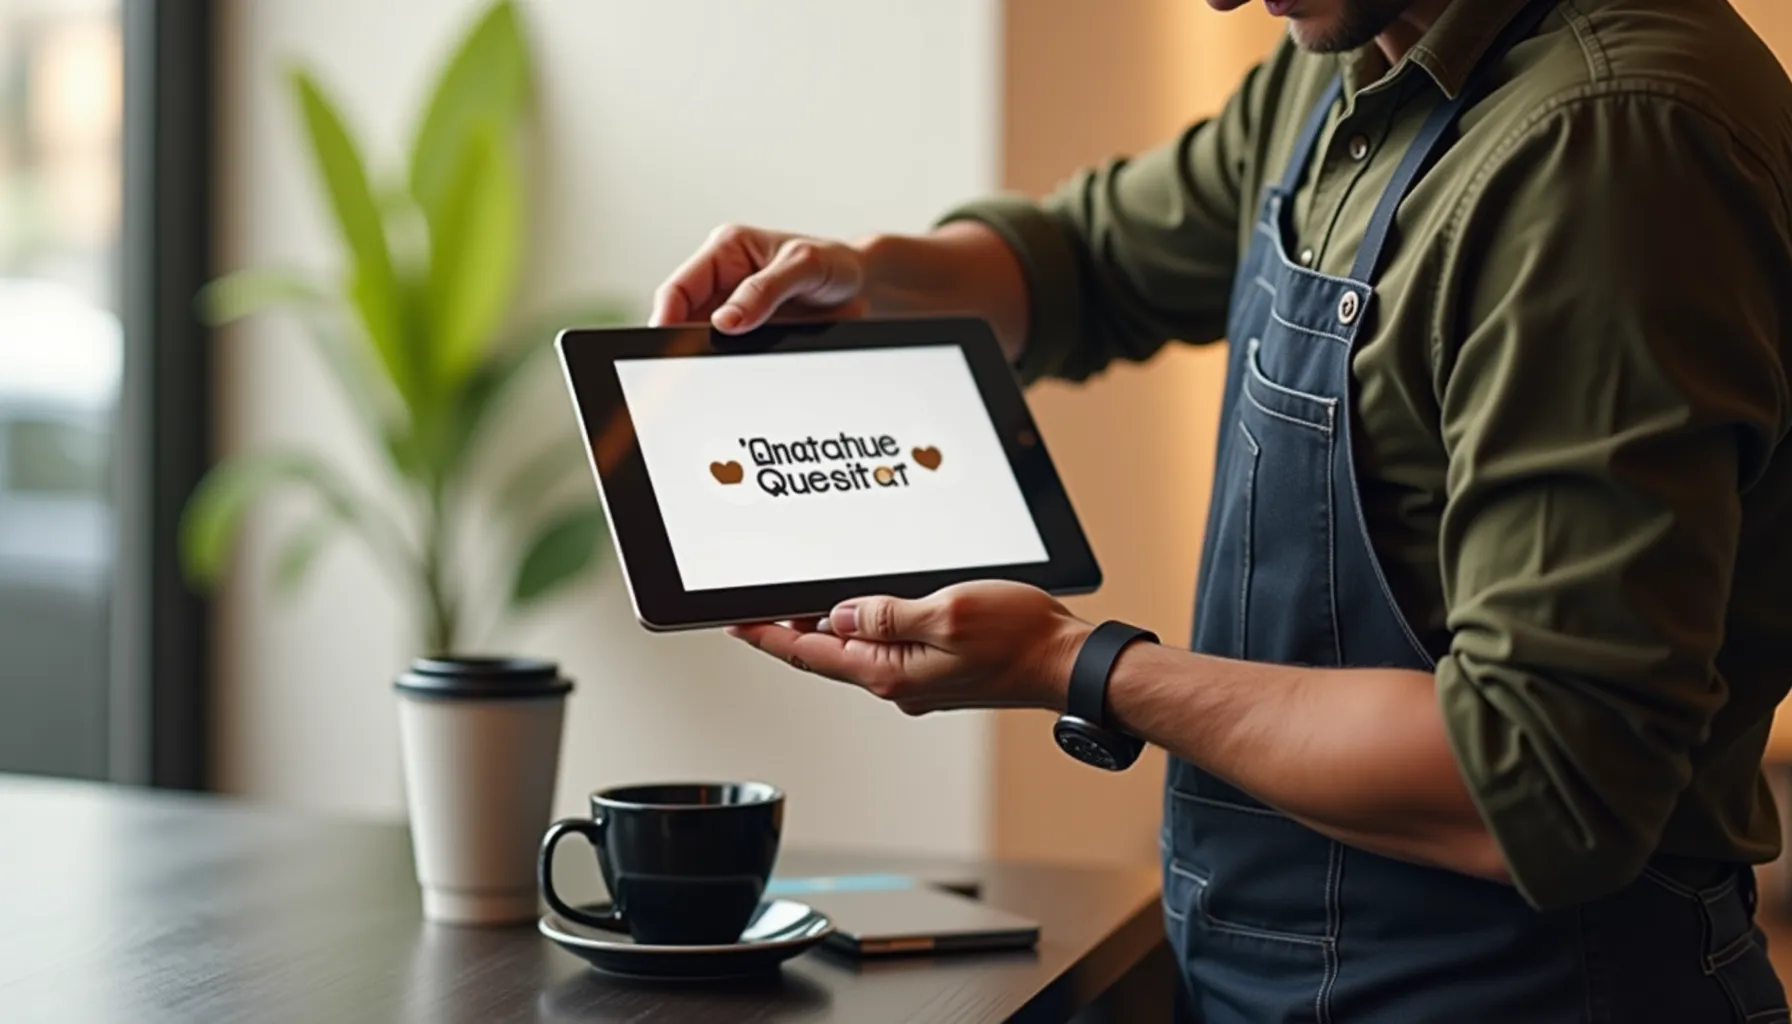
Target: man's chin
[(1312, 37), (1326, 35)]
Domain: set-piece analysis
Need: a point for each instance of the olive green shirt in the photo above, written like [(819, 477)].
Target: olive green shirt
[(1570, 409)]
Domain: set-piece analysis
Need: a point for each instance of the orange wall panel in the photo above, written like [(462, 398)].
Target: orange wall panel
[(1084, 82)]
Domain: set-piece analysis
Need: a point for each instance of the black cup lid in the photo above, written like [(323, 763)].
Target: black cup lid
[(473, 678)]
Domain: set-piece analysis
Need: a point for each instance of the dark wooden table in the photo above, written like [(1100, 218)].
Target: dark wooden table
[(121, 905)]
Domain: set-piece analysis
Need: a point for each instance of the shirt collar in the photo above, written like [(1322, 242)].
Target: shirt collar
[(1448, 52)]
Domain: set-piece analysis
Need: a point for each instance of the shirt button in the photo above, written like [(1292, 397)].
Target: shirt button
[(1348, 307), (1359, 147), (1306, 257)]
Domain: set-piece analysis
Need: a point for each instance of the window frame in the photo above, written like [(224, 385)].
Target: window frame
[(159, 701)]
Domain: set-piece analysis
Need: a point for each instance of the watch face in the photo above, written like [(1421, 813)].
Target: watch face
[(1086, 743)]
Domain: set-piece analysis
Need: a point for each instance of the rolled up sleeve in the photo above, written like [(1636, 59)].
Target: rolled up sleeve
[(1124, 257), (1610, 380)]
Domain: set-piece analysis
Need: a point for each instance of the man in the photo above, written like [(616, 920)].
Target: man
[(1494, 601)]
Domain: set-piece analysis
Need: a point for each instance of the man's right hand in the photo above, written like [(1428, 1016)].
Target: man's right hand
[(744, 276)]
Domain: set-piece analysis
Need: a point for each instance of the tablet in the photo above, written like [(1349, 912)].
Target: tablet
[(772, 475)]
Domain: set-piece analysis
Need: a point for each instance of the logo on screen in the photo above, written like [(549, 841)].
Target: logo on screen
[(839, 464)]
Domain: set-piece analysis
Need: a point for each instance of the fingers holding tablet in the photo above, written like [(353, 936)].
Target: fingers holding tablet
[(743, 276)]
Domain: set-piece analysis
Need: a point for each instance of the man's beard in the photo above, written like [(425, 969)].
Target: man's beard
[(1359, 22)]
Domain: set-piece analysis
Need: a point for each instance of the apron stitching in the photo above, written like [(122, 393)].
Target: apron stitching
[(1728, 954), (1322, 1002), (1297, 421), (1705, 927), (1182, 870), (1721, 892), (1276, 316), (1291, 325), (1730, 992), (1228, 805), (1331, 547), (1172, 913), (1380, 574), (1686, 892), (1250, 530), (1202, 883), (1228, 928), (1254, 367)]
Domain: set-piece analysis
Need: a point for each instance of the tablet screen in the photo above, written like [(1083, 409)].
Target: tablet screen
[(787, 467)]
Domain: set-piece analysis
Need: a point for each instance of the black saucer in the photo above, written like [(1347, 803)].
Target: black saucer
[(779, 930)]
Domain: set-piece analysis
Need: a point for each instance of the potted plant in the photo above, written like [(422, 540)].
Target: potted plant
[(419, 332)]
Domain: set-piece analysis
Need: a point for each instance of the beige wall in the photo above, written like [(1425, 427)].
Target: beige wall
[(660, 120), (1143, 70), (1773, 20)]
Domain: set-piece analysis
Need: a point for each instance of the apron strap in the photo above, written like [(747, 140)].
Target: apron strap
[(1430, 142)]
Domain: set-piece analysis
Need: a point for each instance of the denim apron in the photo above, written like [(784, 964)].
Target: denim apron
[(1272, 921)]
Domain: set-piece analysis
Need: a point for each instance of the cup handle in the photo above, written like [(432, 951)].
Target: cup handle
[(593, 831)]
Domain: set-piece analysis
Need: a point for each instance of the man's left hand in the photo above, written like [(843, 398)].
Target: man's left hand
[(988, 644)]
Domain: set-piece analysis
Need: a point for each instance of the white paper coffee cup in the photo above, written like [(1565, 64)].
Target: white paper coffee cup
[(481, 748)]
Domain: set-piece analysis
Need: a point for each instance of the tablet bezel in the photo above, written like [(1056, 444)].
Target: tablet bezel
[(661, 602)]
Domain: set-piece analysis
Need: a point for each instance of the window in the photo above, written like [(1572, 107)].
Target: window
[(61, 349), (98, 351)]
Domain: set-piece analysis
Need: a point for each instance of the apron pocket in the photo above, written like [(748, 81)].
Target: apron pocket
[(1732, 954), (1289, 612), (1250, 871), (1254, 972)]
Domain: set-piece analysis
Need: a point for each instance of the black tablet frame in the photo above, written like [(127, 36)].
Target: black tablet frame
[(588, 357)]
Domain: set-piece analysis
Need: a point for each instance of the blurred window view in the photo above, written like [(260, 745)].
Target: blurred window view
[(61, 353)]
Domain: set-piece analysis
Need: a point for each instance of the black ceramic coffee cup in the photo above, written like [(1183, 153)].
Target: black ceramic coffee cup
[(686, 863)]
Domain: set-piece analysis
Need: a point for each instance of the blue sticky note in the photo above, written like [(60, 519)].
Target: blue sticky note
[(837, 883)]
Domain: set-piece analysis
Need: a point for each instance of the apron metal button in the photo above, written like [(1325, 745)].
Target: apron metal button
[(1348, 307)]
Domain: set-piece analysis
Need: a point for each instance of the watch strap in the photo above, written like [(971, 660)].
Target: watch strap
[(1088, 691)]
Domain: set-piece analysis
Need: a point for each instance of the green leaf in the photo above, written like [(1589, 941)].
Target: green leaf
[(485, 81), (563, 550), (373, 283), (299, 552), (214, 514), (475, 243), (539, 474), (247, 292)]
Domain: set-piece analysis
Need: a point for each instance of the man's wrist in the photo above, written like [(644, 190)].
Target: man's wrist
[(960, 267), (1057, 659), (1135, 671)]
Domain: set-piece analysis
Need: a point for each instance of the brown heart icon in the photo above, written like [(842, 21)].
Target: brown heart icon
[(928, 457), (726, 472)]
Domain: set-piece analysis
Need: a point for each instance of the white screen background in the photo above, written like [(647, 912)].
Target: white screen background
[(690, 412)]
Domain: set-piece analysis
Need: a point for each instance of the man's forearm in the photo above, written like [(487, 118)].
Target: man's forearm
[(1358, 754), (961, 268)]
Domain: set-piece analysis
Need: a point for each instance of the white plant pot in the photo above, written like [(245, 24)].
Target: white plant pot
[(480, 739)]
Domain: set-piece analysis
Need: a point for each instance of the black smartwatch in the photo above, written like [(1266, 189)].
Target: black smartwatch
[(1083, 731)]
